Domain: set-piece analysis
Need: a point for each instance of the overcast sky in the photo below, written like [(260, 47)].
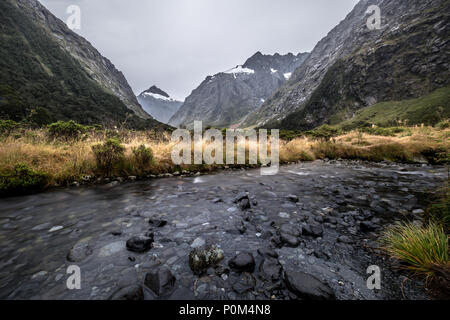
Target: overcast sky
[(175, 44)]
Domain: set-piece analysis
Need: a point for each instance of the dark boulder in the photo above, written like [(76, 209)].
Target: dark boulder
[(160, 281), (243, 262), (140, 244), (308, 287)]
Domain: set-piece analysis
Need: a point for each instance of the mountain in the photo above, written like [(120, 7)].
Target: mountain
[(159, 104), (354, 67), (44, 64), (226, 98)]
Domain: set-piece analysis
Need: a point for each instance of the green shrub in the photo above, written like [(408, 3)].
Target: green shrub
[(69, 130), (443, 124), (423, 250), (143, 156), (22, 179), (324, 132), (386, 132), (7, 127), (108, 155), (40, 116)]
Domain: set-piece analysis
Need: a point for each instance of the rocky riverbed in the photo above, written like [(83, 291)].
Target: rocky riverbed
[(309, 232)]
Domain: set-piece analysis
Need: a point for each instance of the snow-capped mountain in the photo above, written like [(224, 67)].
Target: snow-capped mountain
[(159, 104), (226, 98)]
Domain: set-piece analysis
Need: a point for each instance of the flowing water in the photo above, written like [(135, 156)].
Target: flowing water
[(38, 231)]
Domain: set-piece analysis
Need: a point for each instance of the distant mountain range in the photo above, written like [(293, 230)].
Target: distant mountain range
[(159, 104), (354, 68), (226, 98), (44, 64)]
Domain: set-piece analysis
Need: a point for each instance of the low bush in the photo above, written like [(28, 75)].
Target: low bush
[(108, 155), (7, 127), (143, 156), (69, 130), (22, 179), (324, 132)]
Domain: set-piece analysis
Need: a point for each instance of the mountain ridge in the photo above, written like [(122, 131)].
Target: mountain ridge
[(351, 67), (158, 103), (226, 98)]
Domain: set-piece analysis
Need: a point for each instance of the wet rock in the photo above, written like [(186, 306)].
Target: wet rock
[(290, 229), (367, 226), (157, 223), (200, 259), (241, 196), (242, 262), (197, 243), (140, 244), (270, 270), (345, 239), (133, 292), (289, 240), (245, 283), (160, 281), (111, 249), (221, 270), (244, 204), (313, 230), (268, 252), (306, 286), (293, 198), (284, 215), (79, 251)]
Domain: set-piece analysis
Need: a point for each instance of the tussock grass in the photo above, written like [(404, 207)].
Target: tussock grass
[(422, 250)]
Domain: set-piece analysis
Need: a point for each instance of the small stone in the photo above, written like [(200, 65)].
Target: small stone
[(293, 198), (313, 230), (199, 242), (242, 262), (139, 244), (270, 269), (157, 223), (345, 239), (56, 228), (79, 252), (284, 215)]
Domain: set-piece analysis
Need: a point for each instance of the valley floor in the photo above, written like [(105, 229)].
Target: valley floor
[(329, 234)]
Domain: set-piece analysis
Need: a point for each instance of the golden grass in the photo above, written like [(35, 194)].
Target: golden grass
[(65, 162), (357, 145)]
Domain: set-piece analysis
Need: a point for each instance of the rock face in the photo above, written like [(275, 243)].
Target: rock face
[(354, 67), (228, 97), (308, 287), (159, 104), (50, 60)]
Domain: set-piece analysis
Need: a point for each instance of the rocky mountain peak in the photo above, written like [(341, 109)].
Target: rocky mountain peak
[(155, 90), (228, 97)]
